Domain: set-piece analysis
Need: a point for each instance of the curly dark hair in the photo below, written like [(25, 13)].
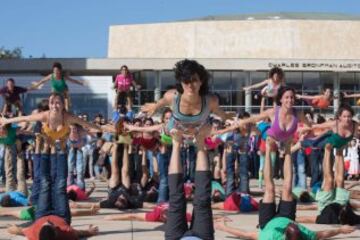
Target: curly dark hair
[(57, 65), (276, 70), (185, 69), (281, 92), (344, 107), (6, 201)]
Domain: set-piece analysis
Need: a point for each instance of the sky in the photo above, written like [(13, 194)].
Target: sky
[(79, 28)]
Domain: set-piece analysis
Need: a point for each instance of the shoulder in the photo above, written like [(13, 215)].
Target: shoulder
[(170, 94), (212, 98), (271, 111)]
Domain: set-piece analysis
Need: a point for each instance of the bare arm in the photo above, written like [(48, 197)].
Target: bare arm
[(262, 105), (351, 95), (71, 119), (307, 97), (237, 232), (166, 100), (257, 85), (306, 207), (306, 219), (88, 193), (92, 231), (253, 119), (218, 206), (126, 217), (15, 230), (30, 118), (74, 81), (84, 212), (325, 234), (153, 128), (215, 108), (42, 81)]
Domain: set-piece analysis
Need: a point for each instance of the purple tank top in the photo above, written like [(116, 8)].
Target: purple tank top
[(279, 134)]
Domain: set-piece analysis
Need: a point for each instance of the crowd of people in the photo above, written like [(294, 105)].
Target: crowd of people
[(193, 152)]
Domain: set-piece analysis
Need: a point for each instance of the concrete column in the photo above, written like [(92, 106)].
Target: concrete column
[(336, 101), (157, 91), (248, 97)]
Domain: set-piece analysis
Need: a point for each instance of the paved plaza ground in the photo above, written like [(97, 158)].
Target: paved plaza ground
[(132, 230)]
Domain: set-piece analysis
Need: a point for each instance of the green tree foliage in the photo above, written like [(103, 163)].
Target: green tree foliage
[(8, 53)]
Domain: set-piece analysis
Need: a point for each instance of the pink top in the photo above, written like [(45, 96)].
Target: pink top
[(210, 144), (80, 194), (123, 83), (279, 134)]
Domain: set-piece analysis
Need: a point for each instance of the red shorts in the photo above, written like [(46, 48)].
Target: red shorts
[(232, 202)]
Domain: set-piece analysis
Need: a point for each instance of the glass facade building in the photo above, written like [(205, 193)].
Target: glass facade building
[(228, 86)]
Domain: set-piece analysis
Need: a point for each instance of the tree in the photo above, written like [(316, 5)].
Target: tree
[(7, 53)]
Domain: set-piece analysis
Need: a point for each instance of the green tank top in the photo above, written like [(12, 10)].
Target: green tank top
[(58, 86), (338, 141), (10, 138)]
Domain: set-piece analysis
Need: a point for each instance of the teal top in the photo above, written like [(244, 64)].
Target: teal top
[(185, 122), (297, 191), (338, 141), (58, 85), (275, 229), (10, 138), (217, 186)]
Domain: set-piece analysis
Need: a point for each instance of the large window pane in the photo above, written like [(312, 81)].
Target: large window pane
[(347, 84), (239, 80), (327, 79), (148, 82), (347, 81), (221, 80), (256, 77), (294, 79), (167, 80), (357, 82), (311, 82)]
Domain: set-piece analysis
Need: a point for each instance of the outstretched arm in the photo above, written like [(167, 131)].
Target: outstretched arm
[(351, 95), (215, 108), (74, 81), (30, 118), (153, 128), (306, 219), (307, 97), (218, 206), (166, 100), (71, 119), (126, 217), (15, 230), (236, 232), (36, 85), (306, 207), (92, 231), (89, 192), (325, 234), (257, 85), (253, 119)]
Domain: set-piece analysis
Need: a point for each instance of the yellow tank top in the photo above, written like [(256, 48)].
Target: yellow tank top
[(60, 135)]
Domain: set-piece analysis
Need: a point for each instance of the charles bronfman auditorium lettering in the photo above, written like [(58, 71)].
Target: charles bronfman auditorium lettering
[(315, 65)]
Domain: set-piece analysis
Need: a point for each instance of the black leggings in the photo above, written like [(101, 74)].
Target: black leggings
[(202, 221)]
